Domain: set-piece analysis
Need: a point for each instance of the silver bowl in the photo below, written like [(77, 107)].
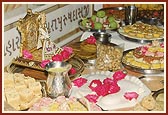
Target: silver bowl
[(102, 37), (151, 21)]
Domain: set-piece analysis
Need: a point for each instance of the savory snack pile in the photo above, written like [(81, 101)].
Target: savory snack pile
[(108, 57), (21, 92)]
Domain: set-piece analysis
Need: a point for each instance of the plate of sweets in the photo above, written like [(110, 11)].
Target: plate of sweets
[(110, 90), (62, 103), (146, 59), (141, 32), (99, 22)]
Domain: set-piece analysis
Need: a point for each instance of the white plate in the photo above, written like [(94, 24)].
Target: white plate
[(117, 100)]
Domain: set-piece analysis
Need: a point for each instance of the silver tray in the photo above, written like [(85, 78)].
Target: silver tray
[(139, 70), (138, 40)]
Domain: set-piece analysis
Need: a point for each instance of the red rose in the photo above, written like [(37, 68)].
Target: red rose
[(92, 97), (27, 54), (94, 84), (102, 90), (68, 49), (131, 95), (57, 57), (113, 88), (72, 71), (65, 54), (118, 75), (44, 62), (79, 81), (91, 40)]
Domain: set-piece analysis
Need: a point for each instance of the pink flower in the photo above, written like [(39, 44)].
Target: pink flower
[(162, 45), (57, 57), (109, 81), (68, 49), (44, 62), (94, 84), (92, 97), (65, 54), (27, 54), (113, 88), (131, 95), (118, 75), (102, 90), (72, 71), (91, 40), (79, 81)]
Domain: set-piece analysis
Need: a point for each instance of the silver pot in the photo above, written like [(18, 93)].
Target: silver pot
[(58, 81)]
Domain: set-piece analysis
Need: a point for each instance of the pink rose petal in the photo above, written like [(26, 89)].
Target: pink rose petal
[(27, 54), (102, 90), (68, 49), (79, 81), (72, 71), (57, 57), (118, 75), (91, 40), (131, 95), (65, 54), (94, 84), (92, 97), (44, 62)]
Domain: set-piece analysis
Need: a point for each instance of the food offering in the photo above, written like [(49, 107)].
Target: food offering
[(148, 58), (85, 49), (110, 90), (21, 92), (99, 21), (62, 103), (141, 32)]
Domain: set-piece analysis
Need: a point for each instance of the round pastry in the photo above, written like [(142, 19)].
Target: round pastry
[(90, 48)]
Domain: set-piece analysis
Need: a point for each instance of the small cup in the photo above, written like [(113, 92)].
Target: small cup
[(130, 14)]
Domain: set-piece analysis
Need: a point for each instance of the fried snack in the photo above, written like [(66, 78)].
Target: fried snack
[(148, 102)]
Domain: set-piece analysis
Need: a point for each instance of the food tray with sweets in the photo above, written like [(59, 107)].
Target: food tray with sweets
[(139, 69), (141, 33)]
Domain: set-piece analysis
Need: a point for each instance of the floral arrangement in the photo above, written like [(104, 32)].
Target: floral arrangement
[(62, 56)]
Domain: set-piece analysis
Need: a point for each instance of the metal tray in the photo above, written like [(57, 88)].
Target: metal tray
[(137, 69), (14, 67), (138, 40)]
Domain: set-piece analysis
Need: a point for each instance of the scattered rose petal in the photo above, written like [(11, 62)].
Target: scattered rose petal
[(113, 88), (44, 62), (57, 57), (92, 97), (94, 84), (102, 90), (27, 54), (118, 75), (79, 81), (65, 54), (91, 40), (131, 95), (72, 71), (68, 49)]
